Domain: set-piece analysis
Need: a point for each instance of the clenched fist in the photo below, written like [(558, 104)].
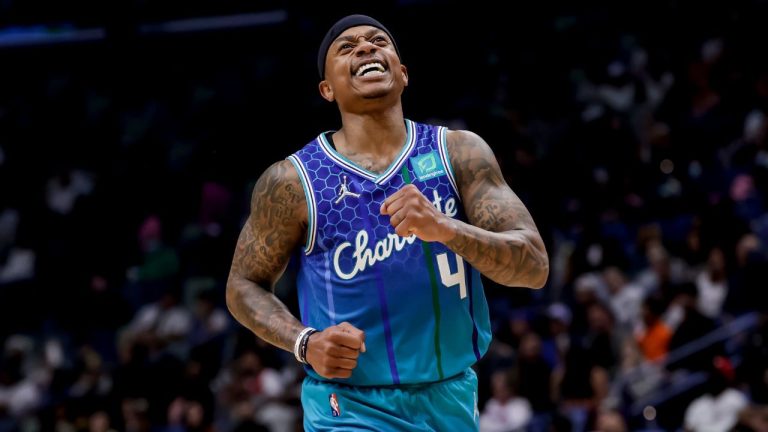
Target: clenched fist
[(410, 212), (333, 352)]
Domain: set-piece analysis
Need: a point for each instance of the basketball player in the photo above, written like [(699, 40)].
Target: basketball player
[(397, 220)]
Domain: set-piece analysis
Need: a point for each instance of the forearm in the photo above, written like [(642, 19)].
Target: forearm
[(511, 258), (262, 312)]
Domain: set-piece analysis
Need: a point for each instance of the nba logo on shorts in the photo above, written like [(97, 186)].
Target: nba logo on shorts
[(335, 410)]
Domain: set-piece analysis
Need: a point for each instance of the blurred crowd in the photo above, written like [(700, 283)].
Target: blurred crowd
[(126, 167)]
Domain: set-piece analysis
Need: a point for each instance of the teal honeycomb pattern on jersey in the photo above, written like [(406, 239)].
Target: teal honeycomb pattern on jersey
[(356, 269)]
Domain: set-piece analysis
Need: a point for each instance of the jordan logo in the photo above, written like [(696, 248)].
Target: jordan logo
[(344, 191)]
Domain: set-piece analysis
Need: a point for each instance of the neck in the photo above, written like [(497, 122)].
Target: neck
[(374, 133)]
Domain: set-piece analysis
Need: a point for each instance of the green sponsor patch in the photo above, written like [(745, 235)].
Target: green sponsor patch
[(427, 166)]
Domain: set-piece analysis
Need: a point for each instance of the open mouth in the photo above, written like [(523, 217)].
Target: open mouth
[(370, 69)]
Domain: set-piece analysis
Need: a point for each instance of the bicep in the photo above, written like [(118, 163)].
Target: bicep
[(274, 228), (488, 200)]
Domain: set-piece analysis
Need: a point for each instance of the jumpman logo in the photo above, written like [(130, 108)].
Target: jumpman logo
[(344, 191)]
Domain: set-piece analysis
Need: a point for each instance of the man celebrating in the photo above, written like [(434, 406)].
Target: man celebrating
[(397, 220)]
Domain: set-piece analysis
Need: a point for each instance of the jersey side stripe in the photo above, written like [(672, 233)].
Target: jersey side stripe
[(469, 271), (435, 294), (329, 289), (309, 194)]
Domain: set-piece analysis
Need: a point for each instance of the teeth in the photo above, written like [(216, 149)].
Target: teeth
[(368, 68)]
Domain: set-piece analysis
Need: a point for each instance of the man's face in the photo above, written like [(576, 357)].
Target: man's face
[(362, 66)]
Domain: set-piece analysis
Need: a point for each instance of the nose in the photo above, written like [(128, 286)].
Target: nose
[(366, 48)]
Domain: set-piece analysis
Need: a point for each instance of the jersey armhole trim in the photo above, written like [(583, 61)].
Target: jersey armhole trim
[(442, 145), (309, 194)]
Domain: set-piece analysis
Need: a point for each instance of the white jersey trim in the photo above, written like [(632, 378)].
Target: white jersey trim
[(410, 144), (442, 146), (309, 194)]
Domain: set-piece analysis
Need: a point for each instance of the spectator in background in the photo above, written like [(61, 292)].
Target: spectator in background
[(16, 263), (187, 416), (512, 331), (162, 325), (747, 201), (589, 288), (207, 338), (204, 246), (251, 391), (165, 319), (719, 408), (534, 378), (746, 284), (693, 326), (664, 274), (106, 311), (100, 421), (625, 299), (558, 340), (744, 152), (694, 252), (753, 371), (610, 421), (135, 415), (20, 393), (160, 263), (712, 285), (65, 188), (579, 387), (654, 335), (209, 320), (600, 339), (505, 411), (92, 386), (18, 268)]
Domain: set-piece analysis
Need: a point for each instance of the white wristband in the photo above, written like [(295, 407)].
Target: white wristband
[(297, 343)]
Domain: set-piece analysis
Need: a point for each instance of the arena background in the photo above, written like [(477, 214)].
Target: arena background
[(132, 132)]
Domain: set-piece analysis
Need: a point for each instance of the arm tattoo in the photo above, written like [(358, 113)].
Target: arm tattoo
[(272, 231), (502, 241)]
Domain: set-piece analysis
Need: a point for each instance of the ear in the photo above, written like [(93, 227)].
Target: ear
[(404, 72), (326, 91)]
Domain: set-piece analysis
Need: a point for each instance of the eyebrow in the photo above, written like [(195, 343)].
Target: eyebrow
[(351, 38)]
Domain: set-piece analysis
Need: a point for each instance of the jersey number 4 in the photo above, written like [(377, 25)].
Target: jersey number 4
[(450, 279)]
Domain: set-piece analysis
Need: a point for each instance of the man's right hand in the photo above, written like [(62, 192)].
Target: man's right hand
[(333, 352)]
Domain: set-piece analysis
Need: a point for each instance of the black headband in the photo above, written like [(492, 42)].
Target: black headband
[(338, 28)]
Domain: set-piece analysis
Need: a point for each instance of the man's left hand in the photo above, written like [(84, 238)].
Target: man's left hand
[(410, 212)]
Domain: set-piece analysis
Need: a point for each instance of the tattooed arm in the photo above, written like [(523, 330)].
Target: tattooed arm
[(501, 240), (274, 228)]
